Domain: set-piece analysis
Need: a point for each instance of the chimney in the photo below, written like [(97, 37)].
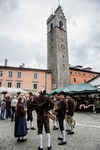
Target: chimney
[(6, 60), (23, 65)]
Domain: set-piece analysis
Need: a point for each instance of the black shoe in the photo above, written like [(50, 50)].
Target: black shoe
[(40, 148), (33, 128), (27, 128), (59, 138), (55, 128), (23, 140), (18, 140), (62, 143), (70, 132), (49, 148)]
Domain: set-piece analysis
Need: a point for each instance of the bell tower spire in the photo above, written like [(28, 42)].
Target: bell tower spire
[(58, 61)]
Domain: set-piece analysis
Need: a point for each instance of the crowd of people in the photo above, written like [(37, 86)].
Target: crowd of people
[(88, 103), (60, 106)]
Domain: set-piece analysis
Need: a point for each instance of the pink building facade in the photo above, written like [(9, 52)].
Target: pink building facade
[(25, 78)]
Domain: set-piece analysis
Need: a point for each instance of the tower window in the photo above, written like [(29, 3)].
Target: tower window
[(64, 67), (60, 24), (51, 26)]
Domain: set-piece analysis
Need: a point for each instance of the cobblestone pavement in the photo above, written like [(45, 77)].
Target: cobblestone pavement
[(86, 137)]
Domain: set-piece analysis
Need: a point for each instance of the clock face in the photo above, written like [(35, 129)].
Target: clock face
[(62, 47)]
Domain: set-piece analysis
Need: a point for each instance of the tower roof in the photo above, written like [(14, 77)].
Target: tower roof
[(58, 10)]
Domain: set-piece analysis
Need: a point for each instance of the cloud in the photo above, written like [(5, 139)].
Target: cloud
[(84, 35), (8, 6), (23, 31)]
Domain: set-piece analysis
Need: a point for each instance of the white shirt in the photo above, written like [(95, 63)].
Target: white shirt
[(14, 102)]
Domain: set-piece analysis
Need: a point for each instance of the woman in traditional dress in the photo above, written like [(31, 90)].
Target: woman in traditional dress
[(20, 121)]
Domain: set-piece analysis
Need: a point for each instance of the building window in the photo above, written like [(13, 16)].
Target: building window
[(35, 75), (35, 86), (19, 74), (1, 73), (70, 72), (84, 80), (18, 85), (78, 73), (75, 73), (74, 79), (10, 74), (9, 84), (0, 84)]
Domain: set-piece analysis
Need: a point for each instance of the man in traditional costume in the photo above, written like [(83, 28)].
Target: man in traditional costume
[(70, 112), (55, 99), (42, 105), (61, 110), (29, 112)]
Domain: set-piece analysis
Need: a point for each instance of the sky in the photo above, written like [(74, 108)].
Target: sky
[(23, 32)]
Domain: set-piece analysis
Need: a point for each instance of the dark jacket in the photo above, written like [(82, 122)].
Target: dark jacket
[(62, 108), (71, 107), (8, 104), (42, 105)]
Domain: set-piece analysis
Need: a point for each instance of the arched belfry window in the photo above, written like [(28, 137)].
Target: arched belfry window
[(51, 26), (60, 24)]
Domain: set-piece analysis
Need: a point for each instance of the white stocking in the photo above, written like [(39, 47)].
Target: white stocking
[(64, 136), (40, 141), (48, 139)]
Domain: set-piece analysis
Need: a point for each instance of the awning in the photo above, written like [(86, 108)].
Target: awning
[(30, 90), (12, 90), (81, 88), (58, 91)]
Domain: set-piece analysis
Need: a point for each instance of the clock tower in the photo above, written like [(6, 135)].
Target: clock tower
[(57, 46)]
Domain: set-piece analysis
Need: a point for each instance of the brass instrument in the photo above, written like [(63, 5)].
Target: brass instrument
[(70, 120), (51, 115)]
